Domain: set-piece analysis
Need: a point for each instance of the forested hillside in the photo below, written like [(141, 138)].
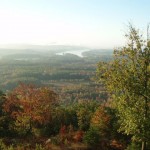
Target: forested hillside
[(69, 75), (97, 101), (49, 97)]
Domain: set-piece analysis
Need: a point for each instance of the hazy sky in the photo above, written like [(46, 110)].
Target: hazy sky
[(94, 23)]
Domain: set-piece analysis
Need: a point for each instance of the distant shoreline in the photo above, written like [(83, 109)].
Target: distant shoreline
[(74, 52)]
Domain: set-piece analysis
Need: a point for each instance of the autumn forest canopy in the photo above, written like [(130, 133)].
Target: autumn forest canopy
[(97, 99)]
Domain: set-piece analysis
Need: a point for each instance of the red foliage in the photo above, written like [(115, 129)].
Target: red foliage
[(63, 130), (117, 145), (29, 101), (78, 136)]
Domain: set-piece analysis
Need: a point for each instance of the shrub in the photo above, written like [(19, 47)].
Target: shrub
[(39, 147), (134, 146), (56, 140), (2, 145), (78, 137), (92, 136)]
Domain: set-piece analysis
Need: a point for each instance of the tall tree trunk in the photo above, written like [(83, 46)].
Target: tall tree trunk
[(143, 145)]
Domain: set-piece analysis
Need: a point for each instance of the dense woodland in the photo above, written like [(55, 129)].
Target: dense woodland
[(99, 101)]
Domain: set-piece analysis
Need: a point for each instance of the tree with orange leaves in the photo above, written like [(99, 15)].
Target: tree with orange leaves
[(28, 105), (101, 120)]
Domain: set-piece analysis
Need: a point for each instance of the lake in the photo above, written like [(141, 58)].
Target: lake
[(74, 52)]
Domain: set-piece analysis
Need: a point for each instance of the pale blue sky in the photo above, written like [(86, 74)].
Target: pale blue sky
[(93, 23)]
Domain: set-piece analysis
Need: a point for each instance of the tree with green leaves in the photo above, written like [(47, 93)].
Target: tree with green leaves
[(127, 78)]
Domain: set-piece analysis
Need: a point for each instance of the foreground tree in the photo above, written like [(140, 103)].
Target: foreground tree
[(127, 78), (29, 105), (101, 120)]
